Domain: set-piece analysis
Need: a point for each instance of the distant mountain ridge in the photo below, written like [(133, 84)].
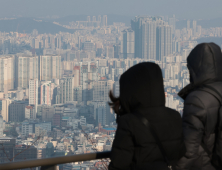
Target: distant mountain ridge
[(207, 23), (111, 18), (27, 25), (47, 26)]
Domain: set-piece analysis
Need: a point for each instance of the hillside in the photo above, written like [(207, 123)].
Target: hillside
[(111, 18), (28, 25), (216, 22)]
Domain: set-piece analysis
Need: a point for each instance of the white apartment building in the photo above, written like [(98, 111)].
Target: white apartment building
[(5, 104), (50, 67), (27, 68), (27, 128), (101, 90), (33, 93), (7, 66)]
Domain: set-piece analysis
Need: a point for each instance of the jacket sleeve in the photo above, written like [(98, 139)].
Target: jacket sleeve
[(123, 147), (194, 117)]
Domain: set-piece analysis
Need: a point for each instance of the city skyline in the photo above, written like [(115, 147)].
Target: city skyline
[(55, 83)]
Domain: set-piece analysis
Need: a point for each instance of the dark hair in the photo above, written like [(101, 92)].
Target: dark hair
[(115, 103)]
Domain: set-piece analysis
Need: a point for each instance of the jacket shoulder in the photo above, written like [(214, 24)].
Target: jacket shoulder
[(201, 99), (196, 96)]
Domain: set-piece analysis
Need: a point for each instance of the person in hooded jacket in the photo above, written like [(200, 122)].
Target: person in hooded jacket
[(201, 106), (134, 147)]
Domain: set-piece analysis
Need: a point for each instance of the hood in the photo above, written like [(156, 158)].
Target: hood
[(141, 86), (204, 64)]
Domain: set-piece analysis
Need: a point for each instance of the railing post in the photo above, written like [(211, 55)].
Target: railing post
[(51, 167)]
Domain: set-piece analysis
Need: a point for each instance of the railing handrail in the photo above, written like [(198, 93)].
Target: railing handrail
[(53, 161)]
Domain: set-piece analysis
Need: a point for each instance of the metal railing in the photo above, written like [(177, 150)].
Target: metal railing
[(51, 163)]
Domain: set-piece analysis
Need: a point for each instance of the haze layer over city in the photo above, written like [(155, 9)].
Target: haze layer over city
[(59, 60)]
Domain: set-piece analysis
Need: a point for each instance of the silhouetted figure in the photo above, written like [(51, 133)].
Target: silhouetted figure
[(142, 96), (201, 105)]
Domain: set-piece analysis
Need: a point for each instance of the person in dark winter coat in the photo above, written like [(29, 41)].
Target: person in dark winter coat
[(134, 147), (200, 106)]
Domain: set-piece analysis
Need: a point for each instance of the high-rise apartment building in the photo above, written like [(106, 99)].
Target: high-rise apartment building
[(33, 92), (27, 68), (5, 110), (110, 52), (99, 18), (127, 44), (104, 21), (199, 29), (102, 113), (78, 93), (66, 90), (47, 113), (101, 90), (1, 126), (172, 23), (16, 111), (94, 18), (27, 128), (149, 39), (30, 112), (164, 41), (50, 67), (46, 92), (88, 18), (7, 76), (88, 76), (194, 27), (145, 29), (188, 24)]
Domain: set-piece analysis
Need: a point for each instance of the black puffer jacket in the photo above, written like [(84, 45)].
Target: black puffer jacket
[(141, 91), (201, 108)]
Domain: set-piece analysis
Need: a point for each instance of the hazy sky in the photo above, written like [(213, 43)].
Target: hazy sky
[(198, 9)]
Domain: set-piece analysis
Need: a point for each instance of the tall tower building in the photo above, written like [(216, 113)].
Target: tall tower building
[(7, 68), (188, 24), (164, 41), (199, 30), (66, 90), (172, 23), (1, 126), (88, 18), (136, 25), (27, 68), (58, 42), (194, 27), (94, 18), (5, 104), (145, 36), (101, 90), (88, 76), (33, 93), (104, 23), (46, 92), (56, 67), (110, 51), (50, 67), (99, 18), (16, 111), (127, 44)]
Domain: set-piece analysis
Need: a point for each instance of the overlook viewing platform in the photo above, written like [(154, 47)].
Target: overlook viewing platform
[(51, 163)]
